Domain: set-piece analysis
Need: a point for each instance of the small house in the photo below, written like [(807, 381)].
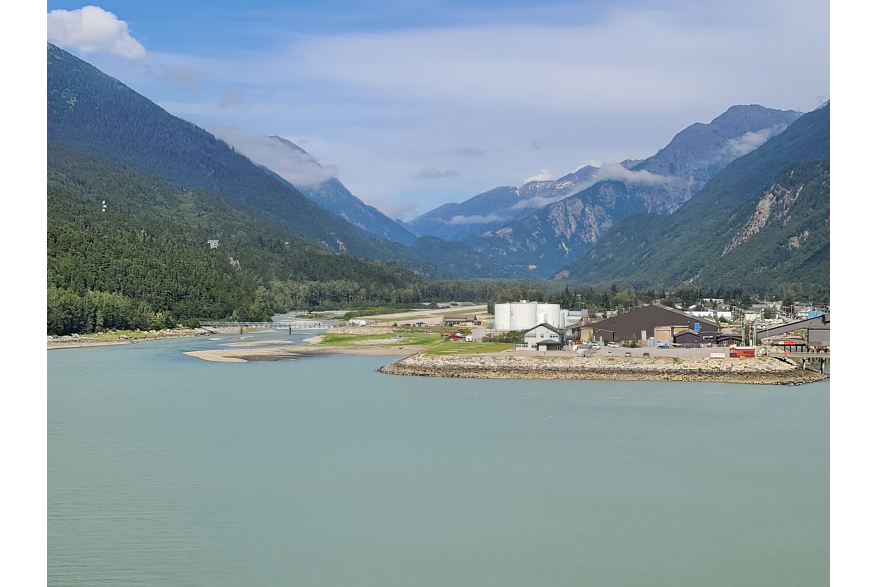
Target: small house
[(696, 338), (543, 337), (213, 244)]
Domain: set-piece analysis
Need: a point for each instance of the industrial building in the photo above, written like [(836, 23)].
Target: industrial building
[(819, 338), (653, 321), (525, 315), (820, 322), (818, 330)]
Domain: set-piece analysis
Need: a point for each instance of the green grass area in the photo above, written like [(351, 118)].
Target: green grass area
[(380, 310), (116, 335), (419, 338), (435, 329), (406, 319), (460, 347)]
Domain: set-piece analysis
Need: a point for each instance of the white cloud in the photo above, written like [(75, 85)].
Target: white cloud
[(540, 201), (185, 75), (474, 219), (433, 173), (470, 151), (233, 98), (543, 175), (612, 171), (394, 211), (749, 142), (91, 30), (616, 171), (295, 166), (609, 86)]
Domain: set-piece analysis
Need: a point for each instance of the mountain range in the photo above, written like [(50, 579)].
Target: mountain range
[(496, 207), (126, 249), (762, 221), (90, 110), (753, 179), (544, 240), (277, 155), (93, 112)]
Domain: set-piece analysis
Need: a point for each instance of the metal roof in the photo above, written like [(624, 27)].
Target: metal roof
[(546, 325), (662, 307), (821, 322)]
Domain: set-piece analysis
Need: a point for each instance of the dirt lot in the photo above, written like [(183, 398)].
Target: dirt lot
[(431, 317)]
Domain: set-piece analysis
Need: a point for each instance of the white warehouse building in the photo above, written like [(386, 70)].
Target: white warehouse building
[(524, 315)]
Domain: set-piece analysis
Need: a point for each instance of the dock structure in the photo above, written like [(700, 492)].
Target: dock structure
[(815, 361)]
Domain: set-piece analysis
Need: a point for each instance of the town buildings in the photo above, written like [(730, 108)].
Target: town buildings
[(654, 321)]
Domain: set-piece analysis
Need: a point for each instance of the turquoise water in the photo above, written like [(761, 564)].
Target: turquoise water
[(167, 470)]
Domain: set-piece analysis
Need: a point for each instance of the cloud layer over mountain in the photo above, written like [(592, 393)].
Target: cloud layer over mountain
[(296, 167)]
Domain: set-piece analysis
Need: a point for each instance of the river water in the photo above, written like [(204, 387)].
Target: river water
[(167, 470)]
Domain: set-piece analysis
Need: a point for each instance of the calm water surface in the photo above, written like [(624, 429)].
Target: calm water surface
[(167, 470)]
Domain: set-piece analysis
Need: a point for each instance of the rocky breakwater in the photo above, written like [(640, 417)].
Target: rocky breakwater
[(751, 370)]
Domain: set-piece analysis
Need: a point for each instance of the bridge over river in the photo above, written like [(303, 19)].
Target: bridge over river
[(279, 325)]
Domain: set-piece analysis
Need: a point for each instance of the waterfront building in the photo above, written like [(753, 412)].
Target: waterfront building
[(542, 337)]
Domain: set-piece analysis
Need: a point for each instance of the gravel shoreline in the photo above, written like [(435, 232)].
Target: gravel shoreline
[(757, 371), (77, 341), (293, 352)]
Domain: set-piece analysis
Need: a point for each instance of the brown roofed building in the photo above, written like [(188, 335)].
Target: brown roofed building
[(654, 320), (455, 320)]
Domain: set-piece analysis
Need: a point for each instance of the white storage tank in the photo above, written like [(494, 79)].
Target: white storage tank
[(502, 317), (564, 318), (552, 312), (523, 316)]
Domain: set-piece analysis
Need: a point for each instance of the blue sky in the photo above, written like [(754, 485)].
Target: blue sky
[(415, 104)]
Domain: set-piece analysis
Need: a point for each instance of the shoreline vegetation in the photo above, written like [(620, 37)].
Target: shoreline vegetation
[(116, 337)]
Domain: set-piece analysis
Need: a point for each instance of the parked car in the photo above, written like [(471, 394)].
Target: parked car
[(608, 352), (613, 345), (627, 354)]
